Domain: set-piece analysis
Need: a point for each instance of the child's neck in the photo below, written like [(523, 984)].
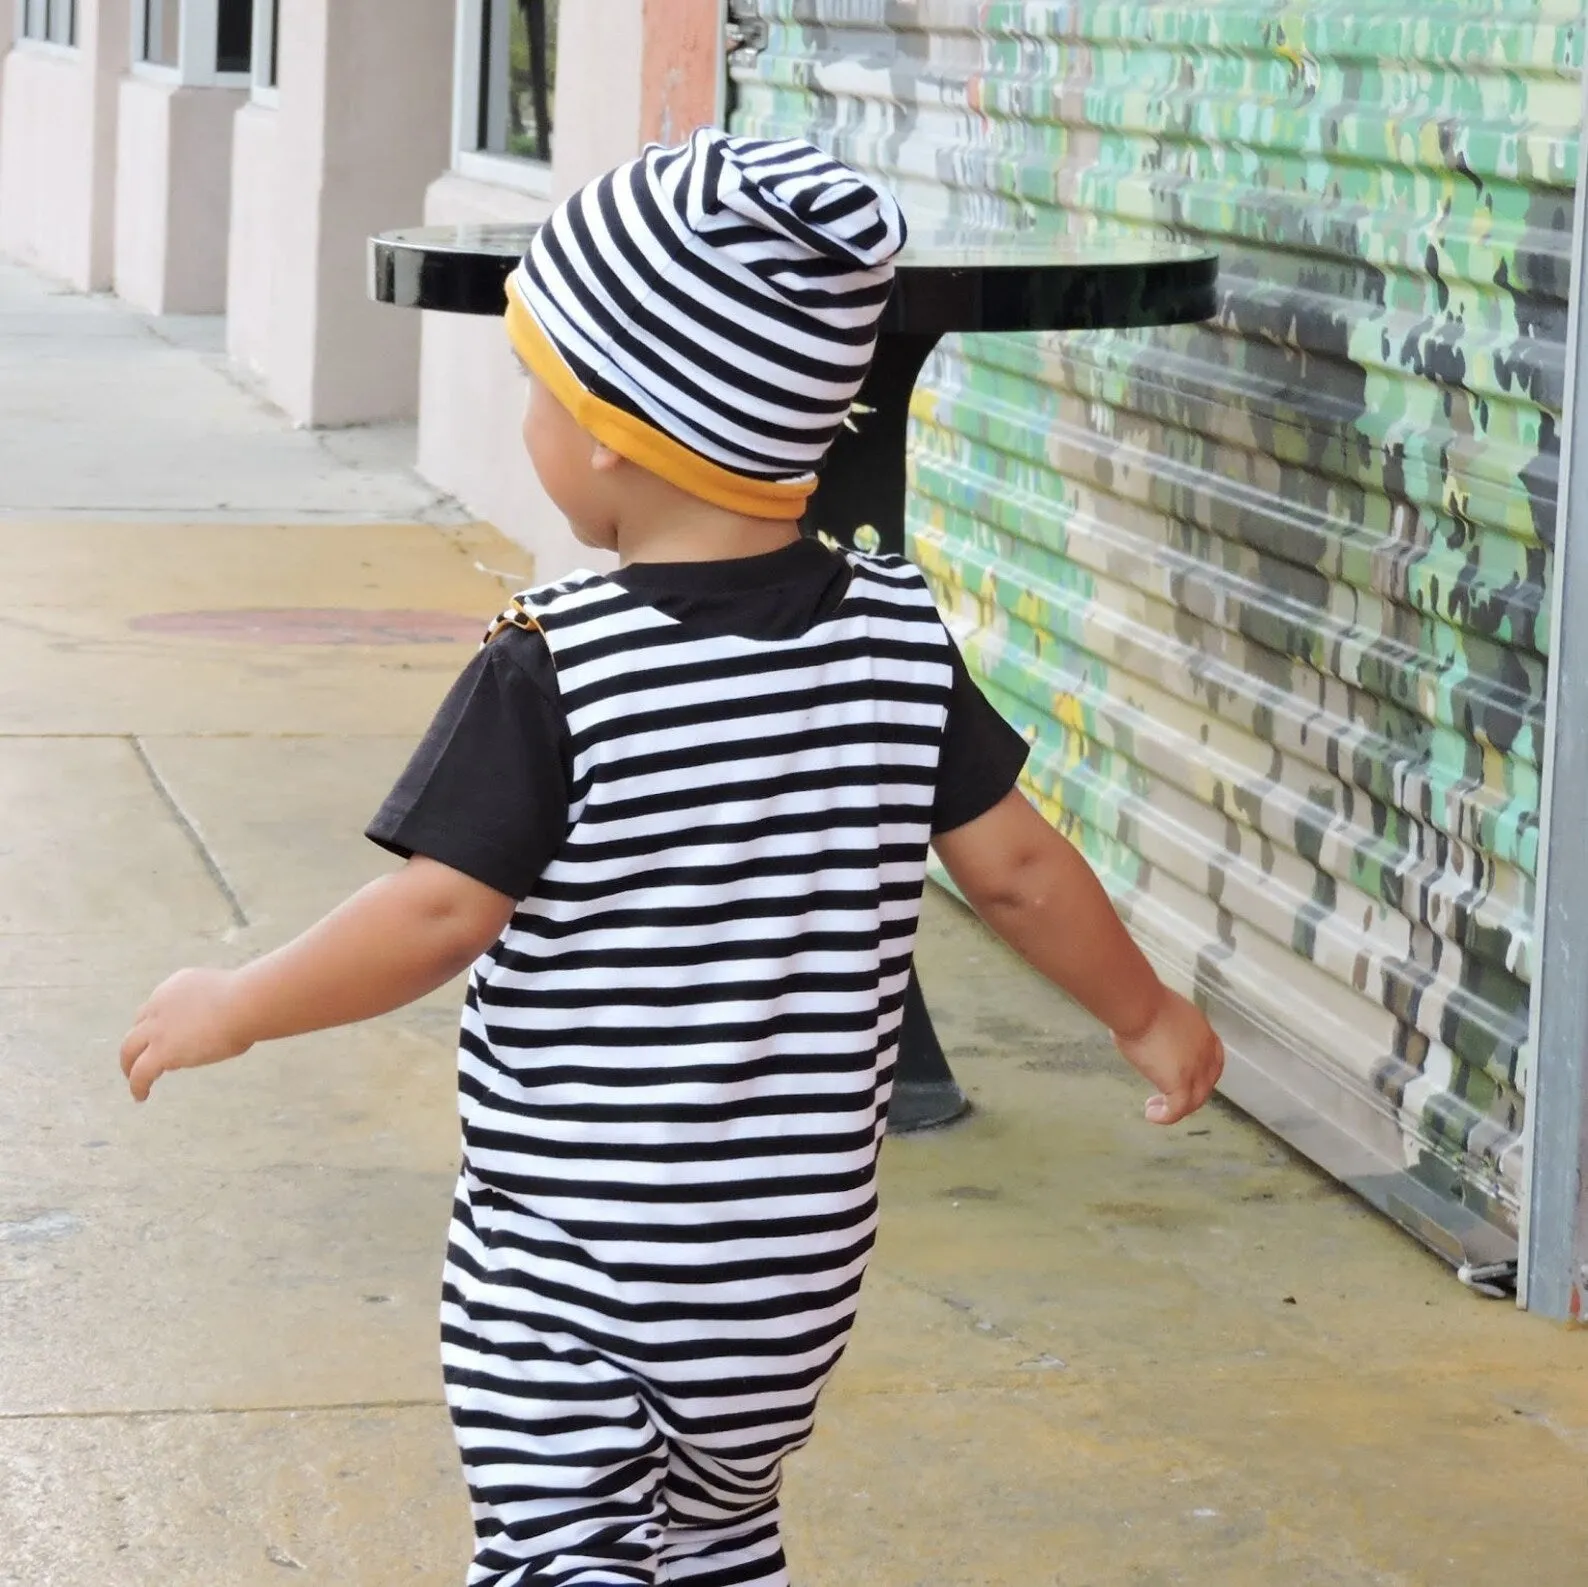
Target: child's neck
[(699, 532)]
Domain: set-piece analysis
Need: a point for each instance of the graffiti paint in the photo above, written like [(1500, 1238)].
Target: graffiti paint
[(1268, 595)]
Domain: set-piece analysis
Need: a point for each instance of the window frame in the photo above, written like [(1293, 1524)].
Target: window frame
[(265, 76), (22, 39), (198, 42), (517, 171)]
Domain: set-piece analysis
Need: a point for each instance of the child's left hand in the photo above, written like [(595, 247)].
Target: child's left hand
[(185, 1024), (1180, 1053)]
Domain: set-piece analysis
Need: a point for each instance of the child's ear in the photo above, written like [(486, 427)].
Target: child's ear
[(603, 459)]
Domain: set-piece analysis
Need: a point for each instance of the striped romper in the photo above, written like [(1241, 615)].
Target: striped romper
[(674, 1072)]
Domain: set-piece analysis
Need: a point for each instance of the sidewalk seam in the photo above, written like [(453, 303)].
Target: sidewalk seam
[(147, 1414), (194, 837)]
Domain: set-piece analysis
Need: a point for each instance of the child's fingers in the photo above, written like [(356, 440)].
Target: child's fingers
[(140, 1063), (143, 1074), (132, 1046), (1172, 1107)]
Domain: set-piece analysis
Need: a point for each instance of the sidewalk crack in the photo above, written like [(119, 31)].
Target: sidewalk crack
[(194, 837)]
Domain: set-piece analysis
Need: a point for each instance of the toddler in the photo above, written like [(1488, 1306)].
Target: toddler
[(676, 818)]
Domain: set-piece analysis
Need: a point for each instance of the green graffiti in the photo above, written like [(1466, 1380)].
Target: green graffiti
[(1267, 596)]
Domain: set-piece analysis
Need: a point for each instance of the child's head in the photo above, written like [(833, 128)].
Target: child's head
[(697, 323)]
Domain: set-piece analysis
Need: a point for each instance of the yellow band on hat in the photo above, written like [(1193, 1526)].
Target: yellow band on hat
[(642, 443)]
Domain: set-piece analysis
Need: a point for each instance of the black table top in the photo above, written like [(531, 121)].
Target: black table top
[(949, 280)]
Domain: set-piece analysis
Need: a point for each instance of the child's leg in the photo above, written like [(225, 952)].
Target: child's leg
[(724, 1524), (564, 1462), (743, 1553)]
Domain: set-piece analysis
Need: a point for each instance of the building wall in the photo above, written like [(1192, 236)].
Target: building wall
[(58, 148), (254, 238), (471, 401), (1269, 595), (8, 22), (471, 394), (265, 208), (173, 193), (362, 124)]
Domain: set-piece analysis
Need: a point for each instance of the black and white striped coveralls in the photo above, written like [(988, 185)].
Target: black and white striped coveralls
[(675, 1067)]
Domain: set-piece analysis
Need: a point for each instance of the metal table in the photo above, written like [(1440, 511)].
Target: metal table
[(946, 281)]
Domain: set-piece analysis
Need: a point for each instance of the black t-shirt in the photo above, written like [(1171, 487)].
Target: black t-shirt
[(486, 791)]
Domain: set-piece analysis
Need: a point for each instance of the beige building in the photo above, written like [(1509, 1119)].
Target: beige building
[(232, 156)]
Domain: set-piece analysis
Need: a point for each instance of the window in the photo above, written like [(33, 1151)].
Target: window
[(162, 33), (49, 21), (507, 85), (517, 68), (234, 36), (201, 42)]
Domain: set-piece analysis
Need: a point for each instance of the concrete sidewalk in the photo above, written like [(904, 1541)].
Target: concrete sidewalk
[(1092, 1353), (107, 412)]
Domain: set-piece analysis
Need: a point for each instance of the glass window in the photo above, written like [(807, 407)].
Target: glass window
[(234, 35), (54, 21), (162, 33), (201, 40), (518, 76)]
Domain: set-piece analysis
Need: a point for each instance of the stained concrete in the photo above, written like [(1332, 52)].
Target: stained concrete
[(1091, 1353)]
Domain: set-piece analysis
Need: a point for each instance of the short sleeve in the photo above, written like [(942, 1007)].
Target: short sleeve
[(486, 791), (982, 756)]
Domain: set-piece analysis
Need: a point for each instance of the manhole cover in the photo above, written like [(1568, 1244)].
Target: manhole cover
[(316, 625)]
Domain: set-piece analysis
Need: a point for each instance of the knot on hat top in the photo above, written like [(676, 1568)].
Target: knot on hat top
[(797, 192)]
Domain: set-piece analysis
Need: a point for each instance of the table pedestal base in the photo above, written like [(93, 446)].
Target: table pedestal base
[(925, 1092), (863, 487)]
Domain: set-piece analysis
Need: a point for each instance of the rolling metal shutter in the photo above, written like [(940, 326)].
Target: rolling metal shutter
[(1269, 596)]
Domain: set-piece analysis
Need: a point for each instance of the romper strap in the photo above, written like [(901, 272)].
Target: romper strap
[(516, 616)]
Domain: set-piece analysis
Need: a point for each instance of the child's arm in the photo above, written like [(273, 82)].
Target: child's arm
[(1037, 892), (390, 943)]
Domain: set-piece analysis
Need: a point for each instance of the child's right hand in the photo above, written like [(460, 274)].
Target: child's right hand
[(184, 1025), (1180, 1054)]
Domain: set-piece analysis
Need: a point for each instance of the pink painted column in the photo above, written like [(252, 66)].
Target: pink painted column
[(58, 147), (682, 70)]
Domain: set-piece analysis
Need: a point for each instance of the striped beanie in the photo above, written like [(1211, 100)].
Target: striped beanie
[(709, 312)]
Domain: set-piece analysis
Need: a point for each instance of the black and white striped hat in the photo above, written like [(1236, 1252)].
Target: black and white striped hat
[(709, 311)]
